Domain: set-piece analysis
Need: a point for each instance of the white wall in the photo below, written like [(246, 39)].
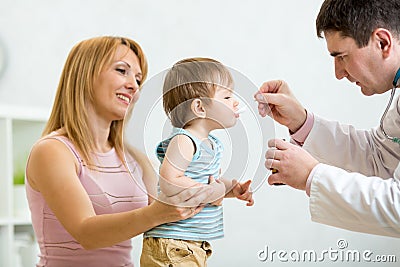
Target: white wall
[(262, 39)]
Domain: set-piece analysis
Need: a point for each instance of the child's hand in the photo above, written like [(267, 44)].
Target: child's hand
[(242, 191)]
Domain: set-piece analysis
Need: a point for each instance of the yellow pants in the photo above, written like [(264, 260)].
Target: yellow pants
[(174, 253)]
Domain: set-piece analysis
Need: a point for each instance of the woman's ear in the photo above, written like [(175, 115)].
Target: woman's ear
[(197, 107)]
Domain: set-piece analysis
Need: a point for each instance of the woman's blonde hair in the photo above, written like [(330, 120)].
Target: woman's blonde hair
[(189, 79), (83, 66)]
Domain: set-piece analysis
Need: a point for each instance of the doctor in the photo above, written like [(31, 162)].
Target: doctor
[(352, 176)]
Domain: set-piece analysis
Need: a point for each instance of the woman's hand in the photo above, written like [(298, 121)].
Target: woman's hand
[(181, 206)]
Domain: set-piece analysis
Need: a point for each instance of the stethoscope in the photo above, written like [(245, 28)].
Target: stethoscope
[(395, 80)]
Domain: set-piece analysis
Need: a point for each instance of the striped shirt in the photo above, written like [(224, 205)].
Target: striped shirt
[(208, 223)]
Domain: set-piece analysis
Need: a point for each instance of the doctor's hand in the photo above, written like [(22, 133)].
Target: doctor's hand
[(293, 163), (277, 101)]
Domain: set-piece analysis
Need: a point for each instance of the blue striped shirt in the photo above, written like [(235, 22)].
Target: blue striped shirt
[(208, 223)]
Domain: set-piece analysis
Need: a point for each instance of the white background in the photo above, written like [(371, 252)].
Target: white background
[(262, 39)]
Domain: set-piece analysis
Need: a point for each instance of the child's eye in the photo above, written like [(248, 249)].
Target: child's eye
[(139, 82), (227, 97)]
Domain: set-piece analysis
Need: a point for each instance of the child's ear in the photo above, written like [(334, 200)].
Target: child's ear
[(197, 108)]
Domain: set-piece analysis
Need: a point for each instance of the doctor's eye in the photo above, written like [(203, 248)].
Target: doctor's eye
[(341, 58)]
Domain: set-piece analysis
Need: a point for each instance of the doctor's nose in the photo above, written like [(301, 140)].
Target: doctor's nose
[(340, 71)]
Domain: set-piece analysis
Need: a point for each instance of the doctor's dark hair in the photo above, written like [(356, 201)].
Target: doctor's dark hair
[(189, 79), (358, 19)]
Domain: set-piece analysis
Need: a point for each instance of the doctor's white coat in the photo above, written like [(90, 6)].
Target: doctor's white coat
[(360, 188)]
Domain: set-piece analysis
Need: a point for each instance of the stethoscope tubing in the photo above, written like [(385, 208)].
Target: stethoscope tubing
[(391, 138)]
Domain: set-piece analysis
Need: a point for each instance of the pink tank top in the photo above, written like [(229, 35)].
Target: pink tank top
[(111, 189)]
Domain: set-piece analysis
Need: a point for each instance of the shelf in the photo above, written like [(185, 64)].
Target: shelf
[(24, 113), (15, 221), (20, 127), (5, 222), (21, 222)]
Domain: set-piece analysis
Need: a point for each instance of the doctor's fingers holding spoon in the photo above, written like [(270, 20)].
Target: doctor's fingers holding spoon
[(291, 163)]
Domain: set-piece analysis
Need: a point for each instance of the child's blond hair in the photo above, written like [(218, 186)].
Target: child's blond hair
[(189, 79)]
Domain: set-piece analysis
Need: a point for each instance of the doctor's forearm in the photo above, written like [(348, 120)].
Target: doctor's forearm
[(350, 149), (355, 202)]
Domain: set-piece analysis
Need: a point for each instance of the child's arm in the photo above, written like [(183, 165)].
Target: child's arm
[(239, 190), (177, 158)]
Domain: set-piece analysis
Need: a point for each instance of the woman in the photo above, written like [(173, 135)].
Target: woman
[(85, 205)]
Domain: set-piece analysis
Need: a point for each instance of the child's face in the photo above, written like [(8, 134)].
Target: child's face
[(222, 108)]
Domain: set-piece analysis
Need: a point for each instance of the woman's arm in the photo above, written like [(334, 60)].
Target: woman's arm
[(52, 170), (150, 178)]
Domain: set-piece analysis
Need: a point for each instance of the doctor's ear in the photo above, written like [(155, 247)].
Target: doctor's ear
[(198, 108), (385, 39)]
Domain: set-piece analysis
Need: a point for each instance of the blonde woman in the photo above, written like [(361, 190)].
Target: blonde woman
[(85, 205)]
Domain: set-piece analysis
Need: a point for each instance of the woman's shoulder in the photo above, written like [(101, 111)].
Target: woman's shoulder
[(48, 157), (49, 142), (52, 142), (52, 147)]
